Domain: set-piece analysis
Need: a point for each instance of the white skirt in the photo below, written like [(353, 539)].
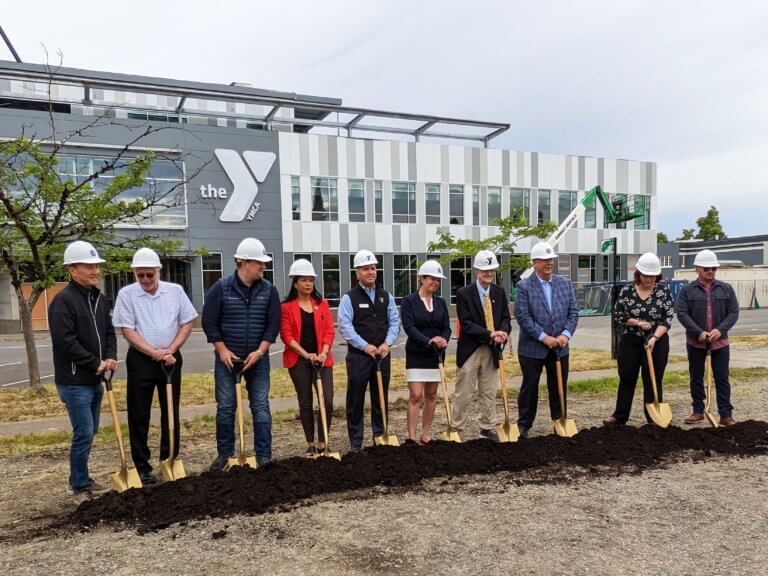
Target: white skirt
[(422, 375)]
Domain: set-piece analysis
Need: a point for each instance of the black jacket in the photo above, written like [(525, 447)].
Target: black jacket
[(469, 309), (421, 327), (81, 333), (692, 308)]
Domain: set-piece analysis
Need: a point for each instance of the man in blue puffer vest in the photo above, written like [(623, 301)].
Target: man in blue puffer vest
[(241, 318)]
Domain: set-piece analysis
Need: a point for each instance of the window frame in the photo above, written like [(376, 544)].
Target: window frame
[(332, 215)]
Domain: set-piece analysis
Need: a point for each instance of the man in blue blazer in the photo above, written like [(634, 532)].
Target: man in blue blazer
[(546, 310)]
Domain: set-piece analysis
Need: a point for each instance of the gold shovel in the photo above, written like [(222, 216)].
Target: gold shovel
[(660, 412), (450, 434), (126, 477), (172, 468), (241, 459), (385, 439), (708, 370), (564, 426), (507, 432), (326, 453)]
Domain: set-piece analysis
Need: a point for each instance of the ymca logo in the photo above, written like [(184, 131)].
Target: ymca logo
[(241, 204)]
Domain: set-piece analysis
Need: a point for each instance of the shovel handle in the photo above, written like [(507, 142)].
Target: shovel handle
[(503, 385), (652, 374), (171, 424), (382, 402), (560, 389), (115, 418), (321, 407), (446, 400)]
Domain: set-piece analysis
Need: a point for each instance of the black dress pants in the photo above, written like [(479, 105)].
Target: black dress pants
[(144, 376), (528, 399), (633, 360), (361, 373)]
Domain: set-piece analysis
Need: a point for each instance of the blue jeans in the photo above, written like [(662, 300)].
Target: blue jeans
[(257, 385), (83, 406), (697, 358)]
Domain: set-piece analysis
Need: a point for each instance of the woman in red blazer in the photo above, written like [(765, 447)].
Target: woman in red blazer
[(306, 327)]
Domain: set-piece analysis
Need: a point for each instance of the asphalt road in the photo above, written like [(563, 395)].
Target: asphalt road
[(593, 332)]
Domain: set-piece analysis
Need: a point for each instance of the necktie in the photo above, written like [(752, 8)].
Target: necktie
[(488, 311)]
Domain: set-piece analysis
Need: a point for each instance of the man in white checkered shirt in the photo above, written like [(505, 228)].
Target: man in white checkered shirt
[(155, 318)]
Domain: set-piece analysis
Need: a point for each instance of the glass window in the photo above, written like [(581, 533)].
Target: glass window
[(304, 256), (356, 201), (212, 270), (590, 215), (520, 198), (432, 199), (545, 211), (456, 204), (475, 205), (379, 270), (586, 271), (460, 275), (331, 279), (404, 202), (566, 202), (269, 270), (642, 204), (618, 201), (494, 205), (295, 198), (377, 202), (325, 203), (405, 275)]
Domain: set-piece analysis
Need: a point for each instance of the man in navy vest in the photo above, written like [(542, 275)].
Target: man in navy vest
[(241, 318), (370, 323)]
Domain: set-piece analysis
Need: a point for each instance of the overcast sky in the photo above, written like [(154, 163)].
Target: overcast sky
[(680, 83)]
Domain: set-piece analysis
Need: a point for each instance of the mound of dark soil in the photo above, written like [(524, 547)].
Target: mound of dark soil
[(601, 451)]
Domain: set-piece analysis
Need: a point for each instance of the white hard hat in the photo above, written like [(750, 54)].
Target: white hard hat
[(431, 268), (252, 249), (542, 251), (485, 260), (364, 258), (81, 252), (648, 264), (706, 259), (302, 267), (146, 258)]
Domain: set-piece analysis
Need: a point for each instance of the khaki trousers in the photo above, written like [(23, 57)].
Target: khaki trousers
[(478, 372)]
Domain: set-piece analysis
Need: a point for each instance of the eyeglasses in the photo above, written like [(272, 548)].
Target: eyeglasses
[(143, 275)]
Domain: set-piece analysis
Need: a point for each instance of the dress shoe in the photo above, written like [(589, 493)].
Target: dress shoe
[(694, 418), (612, 422), (489, 434), (523, 430), (147, 478), (727, 421)]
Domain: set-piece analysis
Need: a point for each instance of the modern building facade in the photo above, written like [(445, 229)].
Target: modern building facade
[(313, 178)]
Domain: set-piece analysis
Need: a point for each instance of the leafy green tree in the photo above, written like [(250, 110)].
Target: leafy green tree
[(709, 226), (511, 230), (661, 238), (688, 234), (41, 211)]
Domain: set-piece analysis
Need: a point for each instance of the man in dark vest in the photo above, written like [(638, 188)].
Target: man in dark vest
[(370, 323), (241, 318)]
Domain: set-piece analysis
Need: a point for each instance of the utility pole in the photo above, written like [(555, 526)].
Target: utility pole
[(10, 46)]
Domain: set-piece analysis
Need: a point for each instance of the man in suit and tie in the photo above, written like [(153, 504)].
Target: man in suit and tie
[(485, 322), (546, 310)]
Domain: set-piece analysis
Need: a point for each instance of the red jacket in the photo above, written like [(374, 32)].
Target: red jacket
[(290, 329)]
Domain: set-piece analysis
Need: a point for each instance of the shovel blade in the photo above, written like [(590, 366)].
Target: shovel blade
[(508, 432), (125, 479), (660, 413), (450, 436), (329, 454), (242, 460), (566, 427), (172, 469), (386, 440)]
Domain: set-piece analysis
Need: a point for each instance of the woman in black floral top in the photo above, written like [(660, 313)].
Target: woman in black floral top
[(644, 312)]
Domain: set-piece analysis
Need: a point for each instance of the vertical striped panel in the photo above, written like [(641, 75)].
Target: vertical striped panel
[(609, 174), (351, 159), (456, 165), (314, 155), (494, 167), (382, 169), (333, 155), (322, 153), (369, 162), (412, 164), (341, 157), (395, 161)]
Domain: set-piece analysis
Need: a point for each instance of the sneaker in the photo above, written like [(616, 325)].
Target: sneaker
[(147, 478), (220, 464), (694, 418), (81, 496), (99, 490), (490, 434), (311, 451)]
